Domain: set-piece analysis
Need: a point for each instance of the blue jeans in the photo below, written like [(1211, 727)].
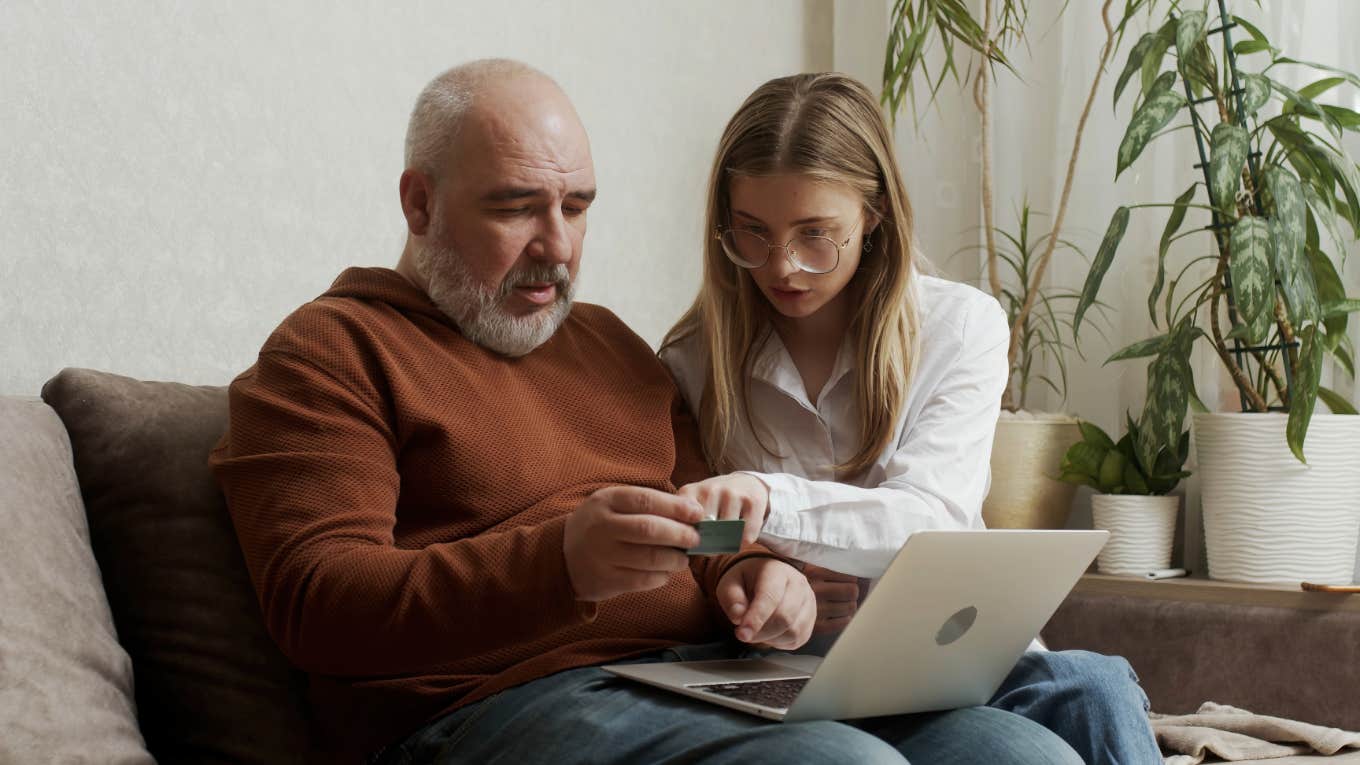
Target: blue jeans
[(590, 716), (1092, 701)]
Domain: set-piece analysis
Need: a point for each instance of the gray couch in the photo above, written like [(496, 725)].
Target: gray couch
[(120, 563)]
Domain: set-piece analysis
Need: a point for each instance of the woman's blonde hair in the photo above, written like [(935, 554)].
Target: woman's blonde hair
[(829, 127)]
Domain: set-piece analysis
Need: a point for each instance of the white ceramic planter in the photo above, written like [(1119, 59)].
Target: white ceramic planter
[(1026, 455), (1269, 517), (1141, 531)]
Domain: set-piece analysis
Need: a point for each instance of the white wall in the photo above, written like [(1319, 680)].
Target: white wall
[(176, 177)]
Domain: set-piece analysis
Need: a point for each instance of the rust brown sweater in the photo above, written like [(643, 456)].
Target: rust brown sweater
[(400, 495)]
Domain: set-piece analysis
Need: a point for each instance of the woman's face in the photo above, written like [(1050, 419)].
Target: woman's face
[(789, 208)]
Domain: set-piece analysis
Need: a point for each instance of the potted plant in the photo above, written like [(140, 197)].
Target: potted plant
[(1133, 499), (1279, 482), (1027, 448)]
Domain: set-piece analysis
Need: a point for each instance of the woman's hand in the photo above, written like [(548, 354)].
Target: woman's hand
[(728, 497), (837, 598)]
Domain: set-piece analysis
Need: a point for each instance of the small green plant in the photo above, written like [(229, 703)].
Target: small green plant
[(1116, 468)]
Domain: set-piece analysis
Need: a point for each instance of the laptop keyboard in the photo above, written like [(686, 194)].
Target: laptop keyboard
[(776, 694)]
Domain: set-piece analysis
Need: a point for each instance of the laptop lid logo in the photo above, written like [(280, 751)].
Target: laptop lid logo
[(956, 625)]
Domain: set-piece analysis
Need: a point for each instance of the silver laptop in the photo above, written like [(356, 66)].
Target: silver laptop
[(940, 630)]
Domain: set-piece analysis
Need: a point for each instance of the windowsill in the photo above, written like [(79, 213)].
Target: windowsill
[(1200, 590)]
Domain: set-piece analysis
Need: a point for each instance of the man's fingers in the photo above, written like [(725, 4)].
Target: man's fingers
[(636, 500), (650, 558), (655, 530), (834, 592)]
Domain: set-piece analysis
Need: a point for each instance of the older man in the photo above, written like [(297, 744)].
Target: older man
[(455, 489)]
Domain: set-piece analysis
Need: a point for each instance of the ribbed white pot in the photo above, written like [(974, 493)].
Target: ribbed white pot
[(1141, 530), (1269, 517)]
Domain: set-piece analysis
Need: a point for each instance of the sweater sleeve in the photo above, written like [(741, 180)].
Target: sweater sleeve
[(309, 471), (937, 476)]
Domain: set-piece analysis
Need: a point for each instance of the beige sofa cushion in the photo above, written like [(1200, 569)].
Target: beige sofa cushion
[(65, 682), (211, 685)]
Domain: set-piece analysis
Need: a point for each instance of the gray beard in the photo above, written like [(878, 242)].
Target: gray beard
[(480, 312)]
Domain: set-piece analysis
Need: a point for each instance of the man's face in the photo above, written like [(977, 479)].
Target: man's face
[(508, 217)]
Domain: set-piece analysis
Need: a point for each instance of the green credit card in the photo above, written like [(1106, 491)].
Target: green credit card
[(718, 537)]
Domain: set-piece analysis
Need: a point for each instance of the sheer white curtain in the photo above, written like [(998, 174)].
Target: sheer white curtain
[(1034, 120)]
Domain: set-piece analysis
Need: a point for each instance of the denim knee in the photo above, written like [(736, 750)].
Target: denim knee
[(1109, 679), (827, 742)]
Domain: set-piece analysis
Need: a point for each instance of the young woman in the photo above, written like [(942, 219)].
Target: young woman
[(848, 398)]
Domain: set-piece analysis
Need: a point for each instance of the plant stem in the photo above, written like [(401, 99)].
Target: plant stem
[(1042, 267), (1243, 383), (981, 98)]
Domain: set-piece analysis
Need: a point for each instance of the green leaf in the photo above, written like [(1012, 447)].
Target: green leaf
[(1253, 287), (1343, 357), (1322, 211), (1256, 92), (1079, 480), (1337, 307), (1092, 434), (1314, 89), (1173, 224), (1149, 347), (1111, 477), (1255, 33), (1136, 54), (1133, 480), (1083, 458), (1303, 395), (1152, 60), (1248, 47), (1100, 265), (1346, 118), (1151, 116), (1329, 292), (1228, 145), (1164, 81), (1296, 101), (1170, 382), (1351, 78), (1335, 401), (1189, 31), (1288, 225)]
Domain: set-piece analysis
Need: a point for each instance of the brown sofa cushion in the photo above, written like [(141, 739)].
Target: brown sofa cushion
[(65, 682), (1292, 663), (210, 684)]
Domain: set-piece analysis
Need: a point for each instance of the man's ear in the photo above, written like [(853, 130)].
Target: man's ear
[(417, 194)]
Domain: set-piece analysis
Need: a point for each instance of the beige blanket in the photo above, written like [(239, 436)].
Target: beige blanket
[(1236, 735)]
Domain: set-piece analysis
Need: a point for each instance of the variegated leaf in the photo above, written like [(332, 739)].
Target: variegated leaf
[(1168, 393), (1327, 282), (1135, 62), (1152, 61), (1253, 287), (1256, 93), (1173, 224), (1100, 265), (1151, 116), (1303, 395), (1189, 31), (1148, 347), (1227, 153), (1289, 226)]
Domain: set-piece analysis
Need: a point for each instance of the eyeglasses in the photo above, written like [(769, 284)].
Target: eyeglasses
[(814, 254)]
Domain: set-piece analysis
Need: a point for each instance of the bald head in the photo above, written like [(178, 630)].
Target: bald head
[(450, 100)]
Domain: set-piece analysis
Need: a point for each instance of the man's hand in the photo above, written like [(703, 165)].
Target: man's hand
[(727, 497), (628, 539), (837, 598), (768, 602)]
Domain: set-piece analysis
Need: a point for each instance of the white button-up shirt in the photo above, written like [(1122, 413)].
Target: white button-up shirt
[(934, 473)]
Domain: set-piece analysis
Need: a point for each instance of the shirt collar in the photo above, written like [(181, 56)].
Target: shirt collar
[(774, 366)]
